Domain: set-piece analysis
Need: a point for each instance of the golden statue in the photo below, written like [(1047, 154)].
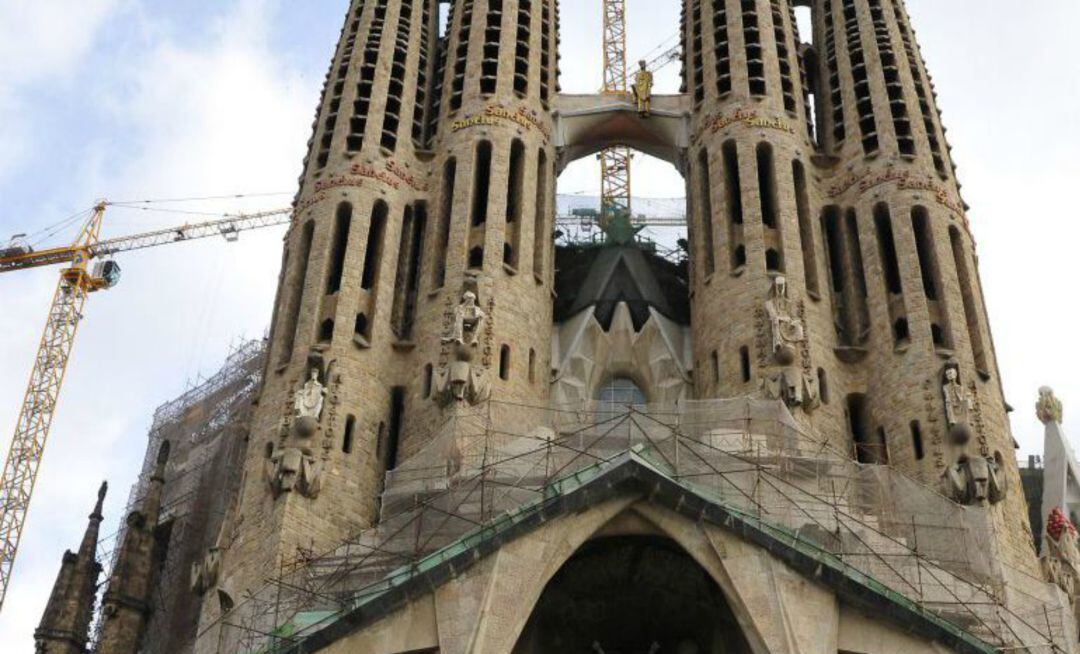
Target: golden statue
[(643, 81)]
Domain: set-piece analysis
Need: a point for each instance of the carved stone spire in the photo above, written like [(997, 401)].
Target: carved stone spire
[(65, 625), (126, 604)]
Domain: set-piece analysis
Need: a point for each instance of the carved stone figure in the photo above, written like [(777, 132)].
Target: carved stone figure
[(1049, 408), (461, 381), (308, 406), (468, 322), (294, 468), (642, 87), (792, 383), (787, 327), (975, 480), (959, 404)]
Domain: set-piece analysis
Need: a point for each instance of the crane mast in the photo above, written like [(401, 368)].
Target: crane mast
[(77, 281), (614, 162)]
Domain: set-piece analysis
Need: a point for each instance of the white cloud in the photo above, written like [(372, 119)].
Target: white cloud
[(48, 37)]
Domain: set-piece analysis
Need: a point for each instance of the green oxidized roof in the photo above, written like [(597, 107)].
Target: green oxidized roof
[(631, 471)]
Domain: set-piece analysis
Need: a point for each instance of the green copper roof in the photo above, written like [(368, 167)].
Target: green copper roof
[(631, 471)]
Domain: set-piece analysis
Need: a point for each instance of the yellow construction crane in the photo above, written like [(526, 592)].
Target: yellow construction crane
[(615, 161), (88, 268)]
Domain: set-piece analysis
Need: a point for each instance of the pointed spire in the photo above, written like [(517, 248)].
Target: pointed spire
[(127, 598), (65, 625)]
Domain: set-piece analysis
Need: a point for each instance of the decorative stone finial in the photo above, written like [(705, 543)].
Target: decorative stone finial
[(1048, 408)]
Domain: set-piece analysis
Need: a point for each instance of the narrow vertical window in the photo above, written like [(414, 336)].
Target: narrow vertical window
[(823, 385), (514, 202), (864, 101), (395, 90), (347, 438), (706, 205), (868, 444), (722, 48), (291, 309), (521, 51), (696, 48), (835, 89), (891, 272), (342, 223), (373, 253), (931, 277), (393, 436), (917, 440), (545, 53), (410, 250), (429, 380), (783, 56), (844, 254), (806, 230), (971, 304), (744, 364), (481, 182), (540, 229), (770, 213), (925, 106), (504, 362), (755, 58), (489, 65), (733, 204), (532, 365), (366, 84), (446, 208), (419, 117), (461, 53), (715, 366), (894, 86)]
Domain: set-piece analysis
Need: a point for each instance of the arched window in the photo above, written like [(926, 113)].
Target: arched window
[(622, 391)]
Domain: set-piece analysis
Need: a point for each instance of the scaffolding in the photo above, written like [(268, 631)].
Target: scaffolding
[(205, 427), (489, 466)]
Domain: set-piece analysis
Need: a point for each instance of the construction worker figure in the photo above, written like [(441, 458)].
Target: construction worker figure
[(643, 81)]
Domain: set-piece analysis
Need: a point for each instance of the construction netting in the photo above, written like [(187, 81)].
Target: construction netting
[(748, 455)]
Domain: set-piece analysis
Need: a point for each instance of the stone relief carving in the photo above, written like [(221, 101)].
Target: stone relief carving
[(1049, 409), (460, 379), (295, 469), (204, 573), (970, 480), (794, 382)]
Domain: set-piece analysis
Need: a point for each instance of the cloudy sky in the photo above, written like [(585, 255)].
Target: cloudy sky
[(142, 99)]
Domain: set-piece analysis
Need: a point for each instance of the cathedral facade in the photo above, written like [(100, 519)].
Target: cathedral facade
[(792, 438)]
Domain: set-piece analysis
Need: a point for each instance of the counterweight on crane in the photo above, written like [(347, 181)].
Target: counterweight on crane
[(81, 276)]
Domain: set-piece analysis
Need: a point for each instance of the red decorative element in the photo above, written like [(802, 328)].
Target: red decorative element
[(1057, 523)]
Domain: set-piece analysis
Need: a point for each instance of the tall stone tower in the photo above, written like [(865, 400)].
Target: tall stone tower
[(430, 177)]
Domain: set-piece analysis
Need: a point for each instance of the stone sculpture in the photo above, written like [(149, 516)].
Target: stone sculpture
[(642, 87), (959, 403), (1049, 408), (791, 383), (204, 573), (294, 468), (308, 406), (468, 322), (461, 379)]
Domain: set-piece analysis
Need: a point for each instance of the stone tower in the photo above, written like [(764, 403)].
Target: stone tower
[(831, 261), (430, 176), (861, 215), (65, 626)]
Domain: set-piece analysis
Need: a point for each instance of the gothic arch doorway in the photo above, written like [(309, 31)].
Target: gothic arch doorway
[(632, 595)]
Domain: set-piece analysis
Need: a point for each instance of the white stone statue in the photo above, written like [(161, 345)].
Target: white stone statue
[(959, 402), (1049, 408), (787, 326), (468, 322), (309, 400)]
